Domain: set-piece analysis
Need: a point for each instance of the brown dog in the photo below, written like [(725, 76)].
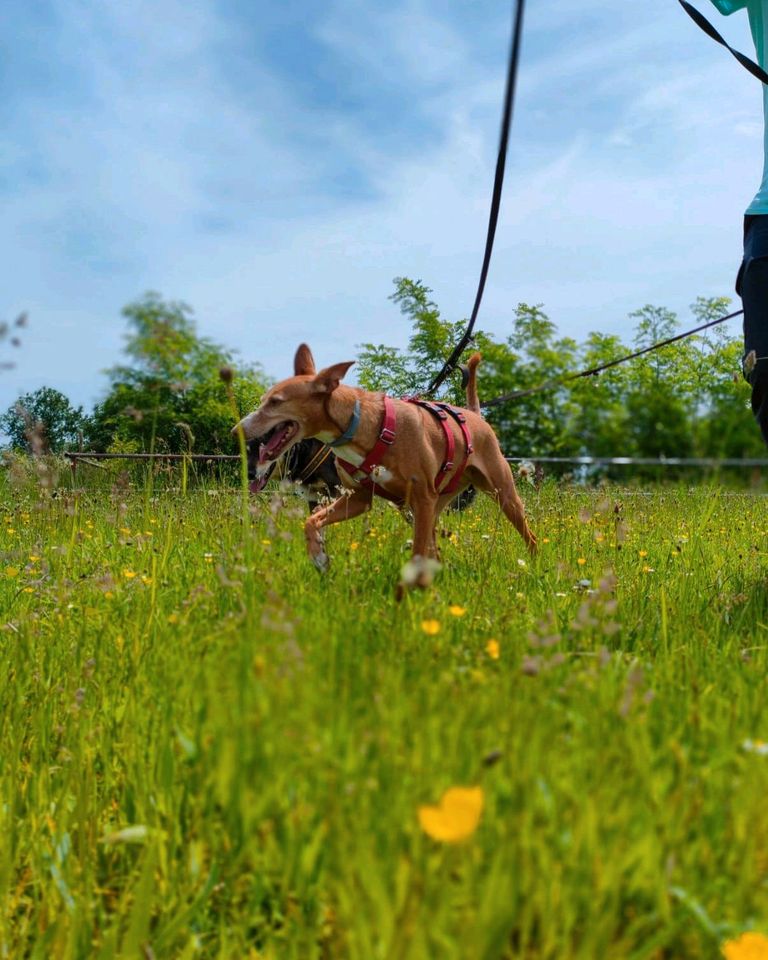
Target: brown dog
[(397, 449)]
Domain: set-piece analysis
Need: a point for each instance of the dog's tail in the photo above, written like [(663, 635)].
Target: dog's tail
[(469, 382)]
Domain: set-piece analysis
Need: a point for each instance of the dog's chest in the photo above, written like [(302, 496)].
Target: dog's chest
[(343, 453), (379, 474)]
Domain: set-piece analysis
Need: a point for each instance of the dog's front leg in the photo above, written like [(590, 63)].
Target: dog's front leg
[(424, 520), (344, 508)]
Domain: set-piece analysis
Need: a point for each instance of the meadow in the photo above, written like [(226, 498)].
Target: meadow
[(211, 751)]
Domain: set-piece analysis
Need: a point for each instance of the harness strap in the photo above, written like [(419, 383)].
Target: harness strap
[(700, 20), (386, 438), (441, 412), (459, 417), (315, 463), (441, 416)]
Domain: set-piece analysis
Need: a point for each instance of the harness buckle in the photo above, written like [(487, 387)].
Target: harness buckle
[(448, 465), (387, 436)]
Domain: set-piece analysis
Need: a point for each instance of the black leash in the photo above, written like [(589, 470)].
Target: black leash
[(506, 122), (594, 371), (706, 26), (757, 71), (701, 21)]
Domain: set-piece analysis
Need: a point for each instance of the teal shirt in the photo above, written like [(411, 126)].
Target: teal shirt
[(758, 22)]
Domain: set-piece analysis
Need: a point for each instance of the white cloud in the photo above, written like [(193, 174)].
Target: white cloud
[(418, 47)]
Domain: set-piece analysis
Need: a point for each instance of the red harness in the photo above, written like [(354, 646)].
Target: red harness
[(442, 411), (387, 434)]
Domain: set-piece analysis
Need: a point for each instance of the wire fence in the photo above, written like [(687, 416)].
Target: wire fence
[(707, 463), (194, 457), (710, 463)]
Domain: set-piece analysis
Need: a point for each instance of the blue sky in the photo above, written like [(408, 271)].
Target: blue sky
[(275, 165)]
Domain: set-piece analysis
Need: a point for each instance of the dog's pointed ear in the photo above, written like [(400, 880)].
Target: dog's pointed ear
[(329, 377), (303, 362)]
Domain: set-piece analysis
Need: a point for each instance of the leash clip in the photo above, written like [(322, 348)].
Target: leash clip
[(387, 436)]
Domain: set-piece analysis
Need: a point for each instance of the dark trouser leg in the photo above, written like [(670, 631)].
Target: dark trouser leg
[(754, 294), (753, 287)]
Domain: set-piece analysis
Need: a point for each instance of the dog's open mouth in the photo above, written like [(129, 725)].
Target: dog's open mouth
[(275, 442)]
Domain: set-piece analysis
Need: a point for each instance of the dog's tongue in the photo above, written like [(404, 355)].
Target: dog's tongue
[(274, 442), (257, 485)]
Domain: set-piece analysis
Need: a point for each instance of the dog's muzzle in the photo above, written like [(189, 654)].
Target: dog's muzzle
[(275, 441)]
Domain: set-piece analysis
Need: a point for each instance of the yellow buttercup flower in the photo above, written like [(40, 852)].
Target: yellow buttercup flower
[(749, 946), (492, 648), (430, 627), (581, 561), (455, 817), (456, 611), (11, 571)]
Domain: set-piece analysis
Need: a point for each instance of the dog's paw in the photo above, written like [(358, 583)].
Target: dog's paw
[(322, 561)]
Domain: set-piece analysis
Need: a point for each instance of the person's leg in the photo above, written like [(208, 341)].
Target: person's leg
[(752, 285)]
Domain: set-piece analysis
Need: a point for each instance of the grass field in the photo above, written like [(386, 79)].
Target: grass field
[(208, 750)]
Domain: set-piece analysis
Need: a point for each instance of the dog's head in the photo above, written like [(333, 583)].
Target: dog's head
[(290, 411)]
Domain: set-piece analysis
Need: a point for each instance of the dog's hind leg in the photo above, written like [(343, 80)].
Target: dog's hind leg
[(497, 481), (344, 508)]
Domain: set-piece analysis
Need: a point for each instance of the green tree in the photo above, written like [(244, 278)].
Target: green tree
[(538, 423), (403, 373), (659, 400), (599, 422), (678, 401), (724, 426), (532, 425), (43, 420), (171, 396)]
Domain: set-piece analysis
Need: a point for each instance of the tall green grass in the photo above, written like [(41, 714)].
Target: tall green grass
[(209, 751)]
